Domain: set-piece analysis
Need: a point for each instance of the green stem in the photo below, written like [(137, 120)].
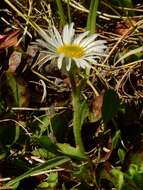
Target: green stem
[(76, 114), (69, 13), (77, 123), (91, 20), (61, 11)]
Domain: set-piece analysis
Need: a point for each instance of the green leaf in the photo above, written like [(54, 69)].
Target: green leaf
[(53, 179), (111, 105), (59, 124), (116, 138), (129, 53), (71, 151), (83, 112), (121, 154), (3, 153), (43, 185), (47, 143), (91, 21), (52, 163), (84, 174), (50, 183), (17, 90), (15, 185), (40, 124), (118, 178), (40, 152)]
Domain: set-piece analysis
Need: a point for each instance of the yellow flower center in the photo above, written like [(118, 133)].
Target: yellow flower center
[(71, 50)]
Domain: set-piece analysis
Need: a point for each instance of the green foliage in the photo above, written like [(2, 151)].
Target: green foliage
[(111, 105), (40, 125), (48, 144), (17, 90), (51, 182), (118, 178), (59, 125), (71, 151), (129, 180), (121, 154), (40, 169), (91, 26), (116, 138), (42, 153), (61, 11)]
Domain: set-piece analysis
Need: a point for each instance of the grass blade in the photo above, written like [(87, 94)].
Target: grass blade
[(52, 163), (61, 11), (91, 20)]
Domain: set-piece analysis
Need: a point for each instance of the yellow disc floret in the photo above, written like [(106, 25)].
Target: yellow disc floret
[(71, 50)]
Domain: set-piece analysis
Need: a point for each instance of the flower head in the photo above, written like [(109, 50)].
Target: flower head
[(82, 50)]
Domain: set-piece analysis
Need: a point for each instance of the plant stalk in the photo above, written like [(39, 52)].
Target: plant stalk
[(91, 20), (61, 11), (76, 114)]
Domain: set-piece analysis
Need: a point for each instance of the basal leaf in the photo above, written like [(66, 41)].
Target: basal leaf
[(70, 151), (47, 143)]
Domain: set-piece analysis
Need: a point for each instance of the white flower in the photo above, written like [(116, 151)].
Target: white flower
[(82, 50)]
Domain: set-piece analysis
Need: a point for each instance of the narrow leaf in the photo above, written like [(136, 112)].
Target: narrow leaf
[(52, 163), (70, 151), (129, 53)]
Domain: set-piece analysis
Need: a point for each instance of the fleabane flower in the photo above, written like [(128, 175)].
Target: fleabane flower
[(69, 48)]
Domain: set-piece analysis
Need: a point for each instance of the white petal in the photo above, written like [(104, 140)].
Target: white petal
[(93, 53), (84, 64), (90, 56), (90, 45), (65, 34), (43, 34), (44, 60), (80, 37), (90, 60), (60, 61), (50, 43), (71, 32), (88, 40), (53, 39), (57, 36), (68, 33), (94, 44), (76, 62), (99, 42), (46, 45), (96, 49), (68, 66), (41, 43)]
